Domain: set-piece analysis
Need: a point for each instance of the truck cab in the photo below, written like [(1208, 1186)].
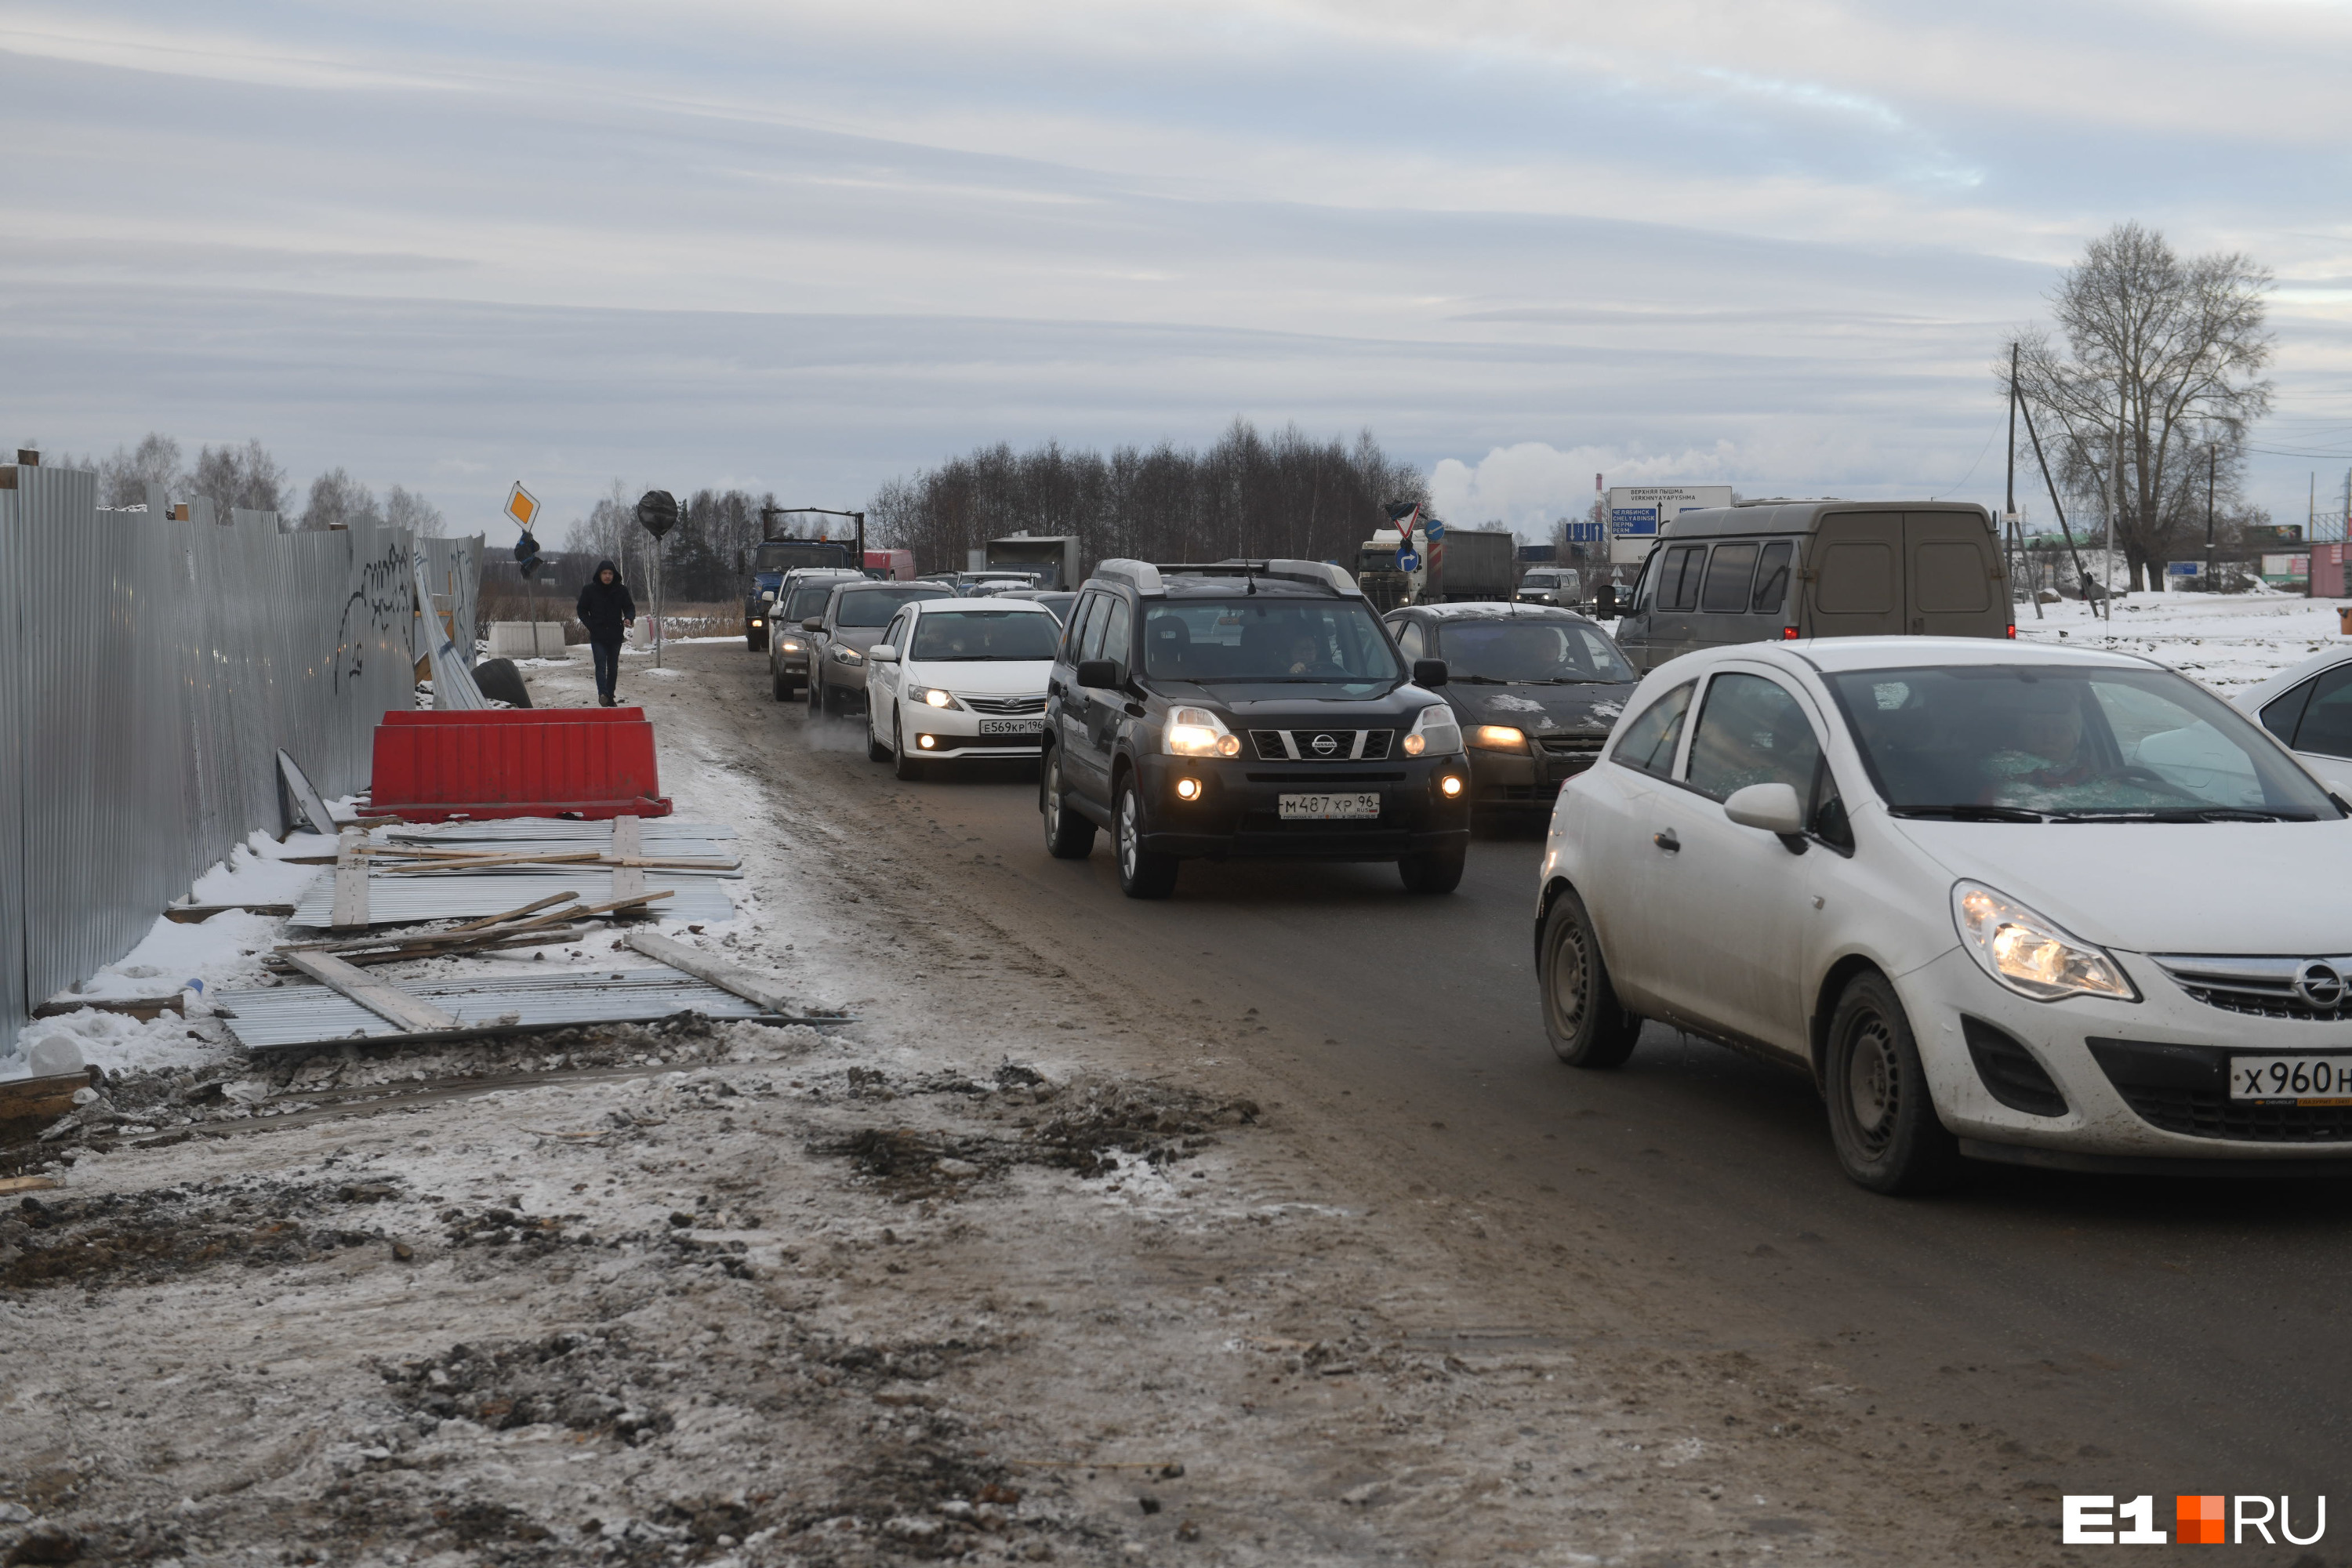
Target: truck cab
[(769, 560)]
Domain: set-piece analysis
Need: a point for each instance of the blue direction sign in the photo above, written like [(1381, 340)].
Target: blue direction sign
[(1431, 529), (1408, 561)]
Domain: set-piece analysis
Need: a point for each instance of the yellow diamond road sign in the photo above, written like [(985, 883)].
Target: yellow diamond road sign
[(522, 506)]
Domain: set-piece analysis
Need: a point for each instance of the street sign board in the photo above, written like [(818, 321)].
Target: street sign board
[(1408, 561), (1584, 532), (1633, 519), (522, 507), (2185, 568), (1433, 529), (656, 512)]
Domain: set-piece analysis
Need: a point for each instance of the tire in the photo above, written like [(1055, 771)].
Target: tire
[(754, 642), (777, 687), (1588, 1025), (1142, 873), (1883, 1119), (1438, 872), (815, 688), (902, 767), (874, 751), (1068, 835)]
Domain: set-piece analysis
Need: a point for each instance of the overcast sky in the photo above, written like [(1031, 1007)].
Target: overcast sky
[(1773, 243)]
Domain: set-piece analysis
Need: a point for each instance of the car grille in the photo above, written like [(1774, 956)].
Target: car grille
[(2265, 987), (1004, 704), (1322, 745), (2186, 1089), (1572, 745)]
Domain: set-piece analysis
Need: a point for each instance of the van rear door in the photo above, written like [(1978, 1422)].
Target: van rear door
[(1955, 576), (1857, 585)]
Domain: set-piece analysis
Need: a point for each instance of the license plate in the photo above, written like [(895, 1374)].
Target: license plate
[(1330, 807), (1012, 726), (2307, 1080)]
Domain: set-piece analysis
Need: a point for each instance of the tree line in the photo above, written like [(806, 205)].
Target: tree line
[(2144, 398), (247, 477), (706, 559), (1248, 494)]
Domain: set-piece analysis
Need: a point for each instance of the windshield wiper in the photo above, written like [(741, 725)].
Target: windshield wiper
[(2182, 814), (1970, 812)]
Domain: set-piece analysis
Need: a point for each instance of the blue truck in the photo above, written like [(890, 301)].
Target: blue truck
[(771, 560)]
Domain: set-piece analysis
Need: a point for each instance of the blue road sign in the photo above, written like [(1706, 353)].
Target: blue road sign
[(2186, 569), (1431, 529), (1408, 561), (1636, 520), (1584, 532)]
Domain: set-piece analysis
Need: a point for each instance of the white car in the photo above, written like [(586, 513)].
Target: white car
[(2031, 905), (957, 679), (2309, 709)]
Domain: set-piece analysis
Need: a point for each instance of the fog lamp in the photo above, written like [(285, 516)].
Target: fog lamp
[(1449, 787), (1188, 789), (927, 741)]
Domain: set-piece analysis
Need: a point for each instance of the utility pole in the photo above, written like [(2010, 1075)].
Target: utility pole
[(2072, 554), (2012, 536), (2212, 461)]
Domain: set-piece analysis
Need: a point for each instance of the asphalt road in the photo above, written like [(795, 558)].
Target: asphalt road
[(2133, 1336)]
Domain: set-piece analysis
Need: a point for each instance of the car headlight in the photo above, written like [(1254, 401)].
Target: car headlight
[(1435, 731), (789, 645), (2030, 954), (1197, 732), (848, 656), (1498, 738), (757, 621), (932, 695)]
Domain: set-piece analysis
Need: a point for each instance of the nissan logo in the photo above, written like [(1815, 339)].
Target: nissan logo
[(2319, 985), (1326, 744)]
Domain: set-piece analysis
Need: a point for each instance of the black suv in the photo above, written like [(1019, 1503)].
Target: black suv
[(1249, 708)]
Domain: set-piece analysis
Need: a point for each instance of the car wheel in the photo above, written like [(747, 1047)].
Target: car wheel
[(902, 765), (815, 688), (874, 751), (1588, 1028), (777, 687), (1142, 873), (1068, 835), (1882, 1119), (1437, 872)]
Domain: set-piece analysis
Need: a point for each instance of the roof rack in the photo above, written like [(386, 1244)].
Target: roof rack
[(1142, 573), (1315, 574)]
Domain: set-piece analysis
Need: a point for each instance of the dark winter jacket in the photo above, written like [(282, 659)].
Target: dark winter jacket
[(604, 607)]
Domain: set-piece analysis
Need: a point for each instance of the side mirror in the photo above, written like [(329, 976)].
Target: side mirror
[(1098, 672), (814, 623), (1428, 672), (767, 596), (1774, 807), (1604, 602), (882, 653)]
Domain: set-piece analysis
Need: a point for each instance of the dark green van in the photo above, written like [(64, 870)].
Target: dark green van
[(1769, 570)]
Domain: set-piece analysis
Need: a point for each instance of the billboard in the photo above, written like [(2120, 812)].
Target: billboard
[(1637, 512)]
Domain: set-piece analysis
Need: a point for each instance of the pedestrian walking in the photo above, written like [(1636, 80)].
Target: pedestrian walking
[(608, 612)]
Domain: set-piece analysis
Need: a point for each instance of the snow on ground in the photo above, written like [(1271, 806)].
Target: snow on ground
[(2229, 641)]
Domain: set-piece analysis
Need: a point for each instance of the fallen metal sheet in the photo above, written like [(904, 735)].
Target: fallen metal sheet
[(284, 1017), (402, 900)]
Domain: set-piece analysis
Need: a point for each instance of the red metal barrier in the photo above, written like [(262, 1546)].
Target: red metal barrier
[(516, 762)]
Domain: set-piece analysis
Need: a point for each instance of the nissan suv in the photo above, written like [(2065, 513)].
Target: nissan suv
[(1247, 708)]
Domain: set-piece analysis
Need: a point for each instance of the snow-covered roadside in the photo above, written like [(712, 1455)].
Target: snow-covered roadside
[(2228, 641)]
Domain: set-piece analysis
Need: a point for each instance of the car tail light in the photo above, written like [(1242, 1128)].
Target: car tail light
[(1788, 633), (2012, 631)]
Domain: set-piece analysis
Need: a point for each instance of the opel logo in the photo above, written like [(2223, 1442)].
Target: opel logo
[(2319, 985), (1326, 744)]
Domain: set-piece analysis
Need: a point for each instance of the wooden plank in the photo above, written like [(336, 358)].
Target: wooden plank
[(352, 944), (351, 905), (197, 914), (717, 972), (386, 1001), (146, 1010), (49, 1096), (461, 867)]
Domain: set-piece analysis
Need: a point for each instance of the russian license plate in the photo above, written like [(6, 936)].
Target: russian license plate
[(1012, 726), (2307, 1080), (1360, 808)]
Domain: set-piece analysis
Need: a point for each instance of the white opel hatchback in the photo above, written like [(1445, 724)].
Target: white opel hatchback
[(2309, 709), (956, 679), (2019, 904)]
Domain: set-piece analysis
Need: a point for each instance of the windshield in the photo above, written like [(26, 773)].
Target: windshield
[(875, 606), (953, 636), (1530, 653), (808, 599), (2022, 741), (1267, 639), (783, 557)]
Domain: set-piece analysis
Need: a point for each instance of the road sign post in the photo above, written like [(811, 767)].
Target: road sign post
[(522, 509), (658, 514)]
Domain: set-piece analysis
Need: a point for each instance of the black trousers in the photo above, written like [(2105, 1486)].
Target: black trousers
[(608, 666)]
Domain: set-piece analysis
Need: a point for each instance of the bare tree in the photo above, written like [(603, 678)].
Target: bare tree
[(232, 477), (338, 500), (124, 479), (405, 509), (2160, 375)]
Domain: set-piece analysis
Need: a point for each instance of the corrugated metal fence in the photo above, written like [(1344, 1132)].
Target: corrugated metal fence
[(149, 671)]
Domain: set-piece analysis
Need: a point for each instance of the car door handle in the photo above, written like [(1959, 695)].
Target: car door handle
[(1667, 841)]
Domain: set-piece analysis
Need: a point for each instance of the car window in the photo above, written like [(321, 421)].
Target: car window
[(874, 607), (1645, 585), (1097, 615), (1529, 651), (2282, 714), (1647, 744), (808, 599), (1268, 638), (1678, 582), (1074, 629), (1772, 578), (973, 635), (2073, 740), (1729, 572), (1751, 730), (1119, 639), (1410, 641), (897, 634), (2325, 728)]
